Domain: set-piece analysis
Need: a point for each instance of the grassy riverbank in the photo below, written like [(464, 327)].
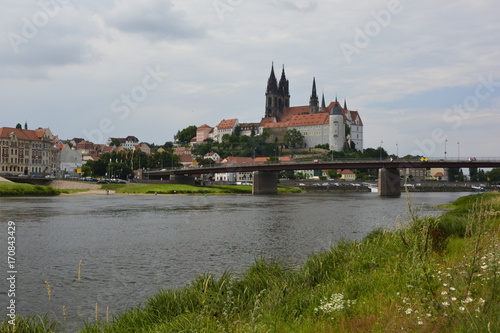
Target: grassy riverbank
[(428, 275), (189, 189), (8, 189)]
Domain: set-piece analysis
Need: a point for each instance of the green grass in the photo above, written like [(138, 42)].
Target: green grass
[(421, 277), (8, 189), (189, 189)]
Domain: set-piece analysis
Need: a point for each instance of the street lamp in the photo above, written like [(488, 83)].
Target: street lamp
[(445, 148), (381, 142), (458, 143), (397, 151)]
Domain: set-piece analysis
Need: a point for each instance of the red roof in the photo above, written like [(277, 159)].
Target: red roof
[(204, 126), (21, 134), (356, 119), (309, 119), (288, 113), (227, 123), (267, 120)]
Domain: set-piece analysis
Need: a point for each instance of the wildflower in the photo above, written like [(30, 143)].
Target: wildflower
[(445, 284), (420, 322), (467, 300), (481, 301), (408, 311), (461, 308), (452, 289), (446, 304), (429, 315), (453, 298), (444, 293)]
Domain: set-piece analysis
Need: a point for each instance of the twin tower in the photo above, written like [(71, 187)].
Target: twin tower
[(278, 106)]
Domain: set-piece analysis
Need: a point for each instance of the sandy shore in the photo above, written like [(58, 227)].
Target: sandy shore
[(89, 192)]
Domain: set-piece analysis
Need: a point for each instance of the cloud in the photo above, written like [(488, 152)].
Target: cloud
[(154, 19)]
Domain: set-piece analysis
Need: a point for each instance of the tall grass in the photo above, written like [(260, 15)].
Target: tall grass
[(18, 189)]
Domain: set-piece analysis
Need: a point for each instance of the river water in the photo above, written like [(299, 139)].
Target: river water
[(130, 246)]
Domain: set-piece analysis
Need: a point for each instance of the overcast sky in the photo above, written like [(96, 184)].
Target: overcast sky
[(419, 72)]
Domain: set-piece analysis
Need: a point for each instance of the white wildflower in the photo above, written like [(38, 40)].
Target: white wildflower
[(446, 304), (461, 308), (408, 311), (467, 300)]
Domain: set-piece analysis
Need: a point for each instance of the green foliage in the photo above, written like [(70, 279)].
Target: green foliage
[(19, 126), (494, 175), (19, 189), (115, 142), (294, 139), (240, 146), (186, 134)]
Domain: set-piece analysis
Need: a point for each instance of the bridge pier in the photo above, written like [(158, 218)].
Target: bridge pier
[(182, 179), (389, 182), (265, 182)]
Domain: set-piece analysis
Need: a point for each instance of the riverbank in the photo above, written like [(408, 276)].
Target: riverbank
[(429, 275), (10, 189)]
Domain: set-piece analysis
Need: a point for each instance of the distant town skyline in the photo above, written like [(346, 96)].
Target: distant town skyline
[(424, 75)]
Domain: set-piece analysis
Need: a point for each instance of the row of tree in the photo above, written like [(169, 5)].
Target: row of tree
[(121, 164)]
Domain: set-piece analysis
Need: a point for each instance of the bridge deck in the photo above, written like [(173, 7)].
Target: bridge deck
[(336, 164)]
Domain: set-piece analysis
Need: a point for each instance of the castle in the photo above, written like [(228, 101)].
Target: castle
[(331, 125)]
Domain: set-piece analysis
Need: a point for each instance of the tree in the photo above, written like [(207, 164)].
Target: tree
[(19, 126), (237, 130), (115, 142), (473, 174), (187, 134), (494, 175), (294, 138), (455, 174), (332, 173)]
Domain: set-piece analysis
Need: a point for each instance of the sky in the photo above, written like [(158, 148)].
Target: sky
[(424, 75)]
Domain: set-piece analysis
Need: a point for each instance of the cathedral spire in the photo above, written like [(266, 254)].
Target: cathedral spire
[(313, 101), (272, 83), (345, 105), (323, 104)]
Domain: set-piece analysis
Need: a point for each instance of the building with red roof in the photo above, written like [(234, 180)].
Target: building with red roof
[(27, 151)]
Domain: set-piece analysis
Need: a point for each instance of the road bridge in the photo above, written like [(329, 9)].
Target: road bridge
[(265, 175)]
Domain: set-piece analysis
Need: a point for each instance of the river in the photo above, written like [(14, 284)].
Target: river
[(130, 246)]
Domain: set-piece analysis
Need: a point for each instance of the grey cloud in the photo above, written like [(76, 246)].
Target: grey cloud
[(154, 19)]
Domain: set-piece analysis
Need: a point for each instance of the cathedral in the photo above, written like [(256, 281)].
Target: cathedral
[(334, 124)]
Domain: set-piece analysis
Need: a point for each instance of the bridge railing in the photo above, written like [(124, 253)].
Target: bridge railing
[(338, 161)]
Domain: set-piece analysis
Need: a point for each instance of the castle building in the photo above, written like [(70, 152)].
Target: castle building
[(333, 125)]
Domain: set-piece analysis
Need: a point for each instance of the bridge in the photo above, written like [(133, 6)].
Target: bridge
[(265, 175)]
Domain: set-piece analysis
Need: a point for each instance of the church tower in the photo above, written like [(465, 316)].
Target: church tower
[(277, 96), (314, 101), (337, 128)]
